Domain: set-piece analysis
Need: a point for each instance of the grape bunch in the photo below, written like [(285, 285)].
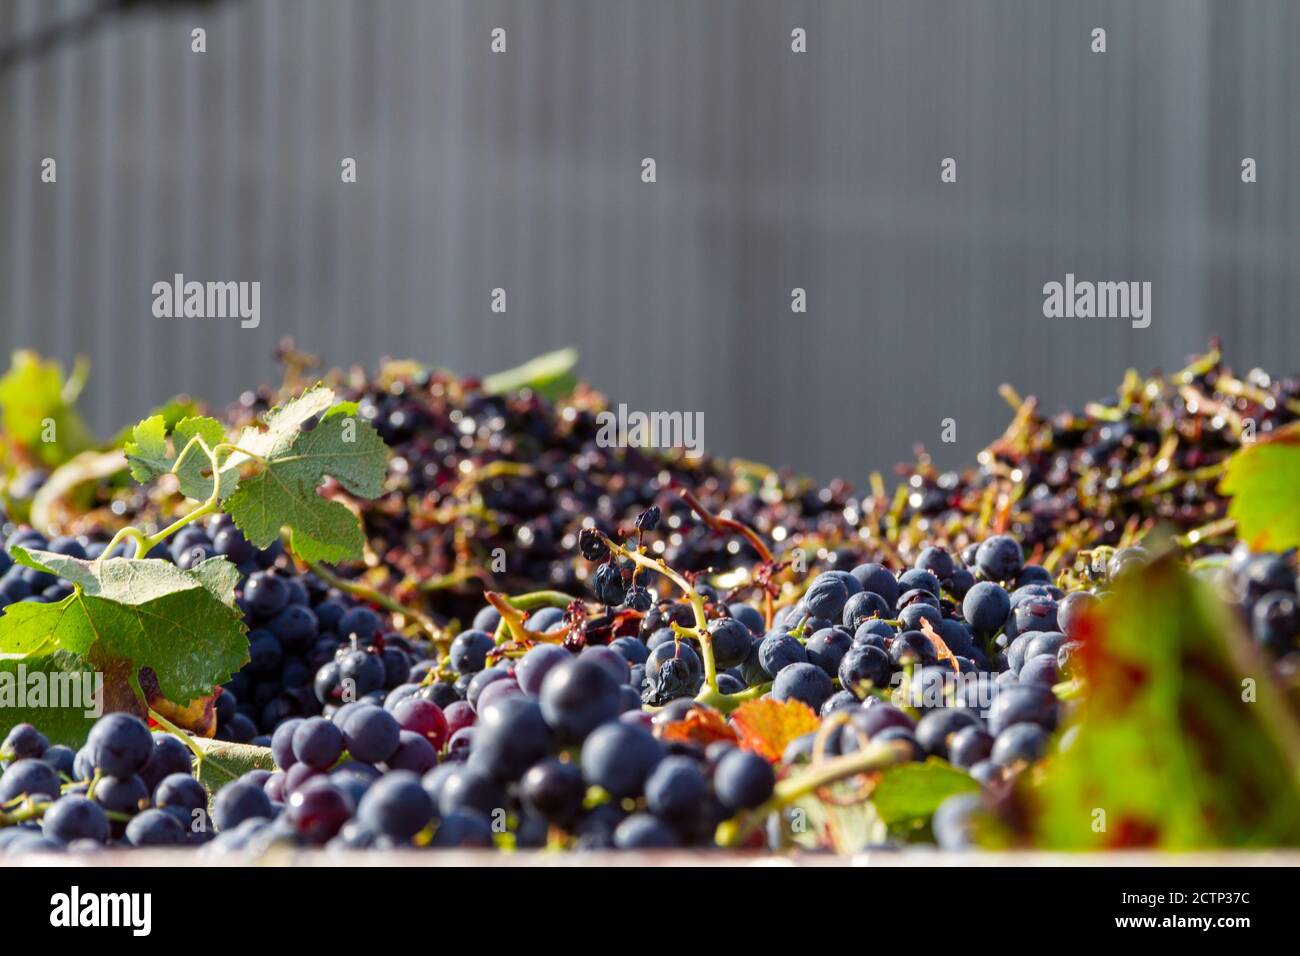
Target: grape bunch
[(545, 741), (1263, 589), (126, 787), (491, 488), (300, 629), (512, 475), (309, 645)]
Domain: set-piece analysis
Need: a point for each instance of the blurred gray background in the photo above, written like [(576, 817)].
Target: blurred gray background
[(775, 170)]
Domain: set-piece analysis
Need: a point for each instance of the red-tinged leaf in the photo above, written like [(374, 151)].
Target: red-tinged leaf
[(766, 726), (1184, 739), (701, 726), (199, 715)]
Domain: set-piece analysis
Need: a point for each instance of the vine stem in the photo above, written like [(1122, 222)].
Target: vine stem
[(729, 702), (144, 543), (454, 578), (718, 523), (511, 609), (733, 832), (375, 597), (701, 630), (34, 810), (175, 731)]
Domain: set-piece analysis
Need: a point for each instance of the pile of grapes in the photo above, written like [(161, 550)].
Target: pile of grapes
[(489, 489), (1153, 453), (528, 735), (675, 653), (297, 658)]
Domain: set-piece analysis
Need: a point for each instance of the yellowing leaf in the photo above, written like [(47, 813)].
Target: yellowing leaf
[(766, 726), (37, 409)]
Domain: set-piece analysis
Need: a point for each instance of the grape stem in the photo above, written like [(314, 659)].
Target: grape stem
[(144, 543), (718, 523), (709, 695), (31, 809), (729, 702), (701, 629), (512, 618), (375, 597), (175, 731)]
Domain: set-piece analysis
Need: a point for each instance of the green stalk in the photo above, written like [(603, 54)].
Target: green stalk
[(711, 697), (375, 597), (701, 630), (512, 625)]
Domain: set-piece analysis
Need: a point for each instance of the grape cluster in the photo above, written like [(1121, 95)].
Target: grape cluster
[(516, 760), (305, 637), (1263, 588), (1057, 483), (500, 744), (491, 490), (126, 787), (496, 744), (310, 645)]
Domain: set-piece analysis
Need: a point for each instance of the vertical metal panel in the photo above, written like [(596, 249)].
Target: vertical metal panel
[(775, 170)]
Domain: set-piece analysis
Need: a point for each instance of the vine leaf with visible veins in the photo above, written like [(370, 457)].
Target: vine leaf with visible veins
[(305, 441), (149, 456), (1264, 481), (123, 616)]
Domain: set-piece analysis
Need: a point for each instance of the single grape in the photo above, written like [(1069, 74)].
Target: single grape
[(120, 744), (396, 806), (620, 757), (743, 780), (74, 817)]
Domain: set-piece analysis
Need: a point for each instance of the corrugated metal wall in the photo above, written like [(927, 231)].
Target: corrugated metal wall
[(775, 170)]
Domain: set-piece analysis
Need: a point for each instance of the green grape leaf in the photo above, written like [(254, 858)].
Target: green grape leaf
[(849, 826), (1264, 481), (911, 792), (172, 411), (149, 455), (224, 762), (550, 375), (57, 691), (38, 412), (297, 458), (125, 615), (1184, 740), (146, 451)]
